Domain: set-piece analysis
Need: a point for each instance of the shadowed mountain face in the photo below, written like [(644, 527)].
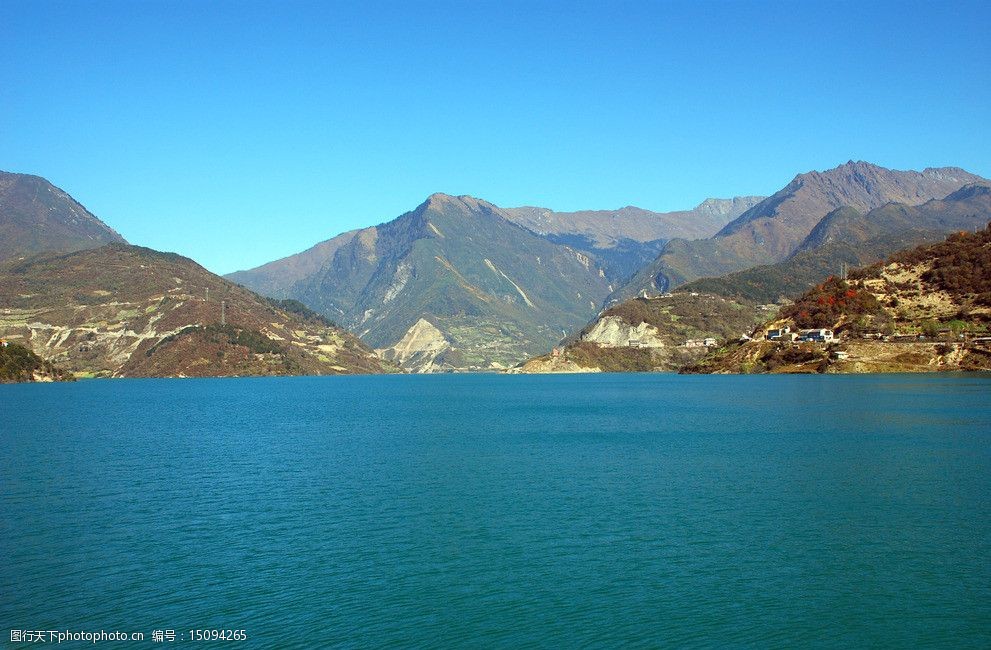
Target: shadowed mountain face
[(495, 291), (775, 228), (127, 311), (849, 236), (37, 217)]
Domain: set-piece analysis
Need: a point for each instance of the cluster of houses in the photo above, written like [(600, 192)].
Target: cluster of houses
[(700, 343), (784, 334), (822, 335)]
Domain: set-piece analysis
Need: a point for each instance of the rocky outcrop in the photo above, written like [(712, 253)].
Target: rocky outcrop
[(651, 334), (614, 332), (501, 285), (419, 349), (549, 365)]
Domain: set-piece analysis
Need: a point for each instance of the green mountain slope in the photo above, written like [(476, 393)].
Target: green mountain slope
[(496, 291), (36, 217), (276, 278)]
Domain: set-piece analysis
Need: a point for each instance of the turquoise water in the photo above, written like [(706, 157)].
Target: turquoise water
[(503, 511)]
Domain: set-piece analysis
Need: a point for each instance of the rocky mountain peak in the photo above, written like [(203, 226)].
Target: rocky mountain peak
[(947, 174), (441, 201), (723, 207)]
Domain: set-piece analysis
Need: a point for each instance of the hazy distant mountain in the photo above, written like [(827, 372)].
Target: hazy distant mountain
[(607, 227), (624, 240), (36, 217), (127, 311), (849, 236), (454, 284), (776, 227)]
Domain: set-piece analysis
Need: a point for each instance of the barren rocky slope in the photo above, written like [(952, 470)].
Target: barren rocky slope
[(925, 309), (126, 311), (651, 334)]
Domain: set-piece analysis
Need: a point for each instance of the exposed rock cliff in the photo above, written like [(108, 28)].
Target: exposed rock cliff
[(651, 334), (776, 227), (420, 348), (614, 332)]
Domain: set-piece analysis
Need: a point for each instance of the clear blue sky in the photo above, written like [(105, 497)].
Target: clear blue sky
[(239, 132)]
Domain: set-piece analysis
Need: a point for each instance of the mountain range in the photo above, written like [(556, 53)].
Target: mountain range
[(457, 283), (854, 238), (644, 334), (624, 240), (620, 240), (778, 226)]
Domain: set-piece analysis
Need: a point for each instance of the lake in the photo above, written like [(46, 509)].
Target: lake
[(502, 511)]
